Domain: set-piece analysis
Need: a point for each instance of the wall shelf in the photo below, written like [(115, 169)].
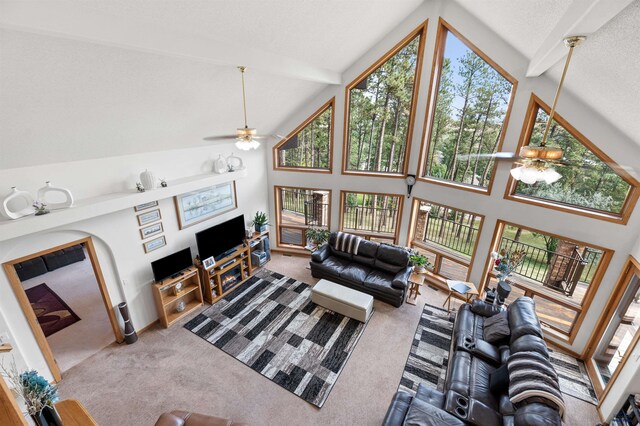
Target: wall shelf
[(89, 208)]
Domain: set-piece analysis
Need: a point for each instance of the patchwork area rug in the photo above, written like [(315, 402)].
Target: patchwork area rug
[(429, 354), (271, 325), (573, 377), (52, 313)]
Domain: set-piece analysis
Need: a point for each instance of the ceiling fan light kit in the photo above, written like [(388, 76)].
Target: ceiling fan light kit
[(533, 173)]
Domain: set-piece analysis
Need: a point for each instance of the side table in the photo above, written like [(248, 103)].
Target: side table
[(415, 281), (454, 286)]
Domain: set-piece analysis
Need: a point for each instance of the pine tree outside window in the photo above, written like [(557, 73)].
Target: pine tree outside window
[(469, 109), (310, 146), (380, 110)]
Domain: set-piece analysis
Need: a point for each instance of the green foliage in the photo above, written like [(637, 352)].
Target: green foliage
[(260, 219), (34, 389), (470, 110), (587, 182), (318, 236), (312, 149), (379, 114), (420, 260)]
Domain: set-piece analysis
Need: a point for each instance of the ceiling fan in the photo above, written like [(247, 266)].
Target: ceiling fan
[(246, 137), (536, 163)]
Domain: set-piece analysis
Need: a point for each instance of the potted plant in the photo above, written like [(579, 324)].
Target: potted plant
[(316, 237), (420, 262), (260, 221), (38, 395)]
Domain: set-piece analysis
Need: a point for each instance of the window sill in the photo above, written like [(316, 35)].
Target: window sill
[(302, 169), (456, 185), (374, 174)]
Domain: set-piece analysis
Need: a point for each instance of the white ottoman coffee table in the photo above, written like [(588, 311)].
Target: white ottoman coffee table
[(343, 300)]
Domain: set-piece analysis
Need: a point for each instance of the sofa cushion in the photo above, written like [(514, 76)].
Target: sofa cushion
[(381, 282), (422, 413), (483, 308), (496, 327), (391, 259), (530, 343), (355, 272), (468, 323), (523, 319), (499, 381), (332, 265), (366, 253)]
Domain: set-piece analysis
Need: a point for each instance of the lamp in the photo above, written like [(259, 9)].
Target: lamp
[(535, 169)]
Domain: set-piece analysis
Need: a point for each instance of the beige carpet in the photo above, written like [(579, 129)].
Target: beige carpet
[(174, 369), (76, 284)]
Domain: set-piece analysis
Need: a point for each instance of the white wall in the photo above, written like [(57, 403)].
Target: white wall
[(616, 237)]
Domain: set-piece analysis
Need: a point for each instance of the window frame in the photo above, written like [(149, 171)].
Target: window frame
[(631, 267), (420, 31), (369, 235), (535, 103), (331, 104), (278, 206), (443, 28), (580, 309), (434, 277)]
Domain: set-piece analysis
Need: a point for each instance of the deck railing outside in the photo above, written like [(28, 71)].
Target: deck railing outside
[(370, 219)]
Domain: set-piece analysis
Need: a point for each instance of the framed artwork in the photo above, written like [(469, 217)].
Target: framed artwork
[(197, 206), (148, 217), (154, 244), (209, 263), (151, 230), (145, 206)]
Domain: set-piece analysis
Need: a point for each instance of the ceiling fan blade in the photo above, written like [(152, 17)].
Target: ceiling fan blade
[(220, 138), (496, 156)]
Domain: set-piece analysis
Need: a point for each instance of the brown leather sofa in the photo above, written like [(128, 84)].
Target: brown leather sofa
[(185, 418)]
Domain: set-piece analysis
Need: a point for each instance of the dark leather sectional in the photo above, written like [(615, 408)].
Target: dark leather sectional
[(49, 262), (381, 270), (467, 398)]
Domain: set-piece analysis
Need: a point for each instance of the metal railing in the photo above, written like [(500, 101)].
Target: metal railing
[(370, 219), (451, 234), (305, 204)]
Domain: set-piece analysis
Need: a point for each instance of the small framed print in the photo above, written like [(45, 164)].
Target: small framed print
[(154, 244), (151, 230), (148, 217), (209, 263), (145, 206)]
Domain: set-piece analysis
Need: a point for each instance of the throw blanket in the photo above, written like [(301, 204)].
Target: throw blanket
[(531, 375), (347, 242)]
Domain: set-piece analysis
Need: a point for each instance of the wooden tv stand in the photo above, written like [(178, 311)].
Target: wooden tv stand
[(219, 281), (166, 298)]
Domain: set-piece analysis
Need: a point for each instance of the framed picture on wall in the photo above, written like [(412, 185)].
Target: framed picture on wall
[(154, 244), (148, 217), (145, 206), (151, 230), (197, 206)]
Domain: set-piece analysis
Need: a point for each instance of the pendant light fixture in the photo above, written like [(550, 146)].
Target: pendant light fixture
[(535, 158)]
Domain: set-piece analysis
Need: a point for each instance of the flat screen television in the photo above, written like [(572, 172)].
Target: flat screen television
[(221, 238), (172, 264)]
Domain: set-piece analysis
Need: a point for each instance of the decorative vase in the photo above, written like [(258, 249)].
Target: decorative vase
[(48, 416), (503, 289), (148, 180), (180, 306), (21, 204), (419, 269), (130, 335), (260, 228), (234, 163), (220, 165), (47, 189)]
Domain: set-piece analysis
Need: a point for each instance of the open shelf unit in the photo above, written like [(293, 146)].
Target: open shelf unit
[(219, 280), (167, 298)]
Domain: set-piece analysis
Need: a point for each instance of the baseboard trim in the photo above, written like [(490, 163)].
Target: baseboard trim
[(148, 326), (300, 253)]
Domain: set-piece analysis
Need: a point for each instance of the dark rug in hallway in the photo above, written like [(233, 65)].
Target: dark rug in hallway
[(429, 354), (271, 325), (52, 313)]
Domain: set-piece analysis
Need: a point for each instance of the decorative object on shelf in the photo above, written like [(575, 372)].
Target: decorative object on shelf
[(420, 262), (197, 206), (48, 190), (234, 163), (209, 263), (506, 263), (41, 208), (249, 232), (246, 137), (139, 187), (21, 202), (180, 306), (163, 182), (316, 237), (145, 206), (148, 180), (148, 217), (151, 230), (260, 221), (154, 244), (177, 289), (410, 181), (130, 335), (37, 393), (220, 165)]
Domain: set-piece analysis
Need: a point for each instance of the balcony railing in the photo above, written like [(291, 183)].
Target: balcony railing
[(307, 205), (370, 219), (451, 234)]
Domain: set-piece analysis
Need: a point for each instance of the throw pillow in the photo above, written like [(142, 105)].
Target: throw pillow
[(496, 327), (499, 381), (480, 307)]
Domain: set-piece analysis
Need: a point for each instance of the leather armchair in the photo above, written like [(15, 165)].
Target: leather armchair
[(185, 418)]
